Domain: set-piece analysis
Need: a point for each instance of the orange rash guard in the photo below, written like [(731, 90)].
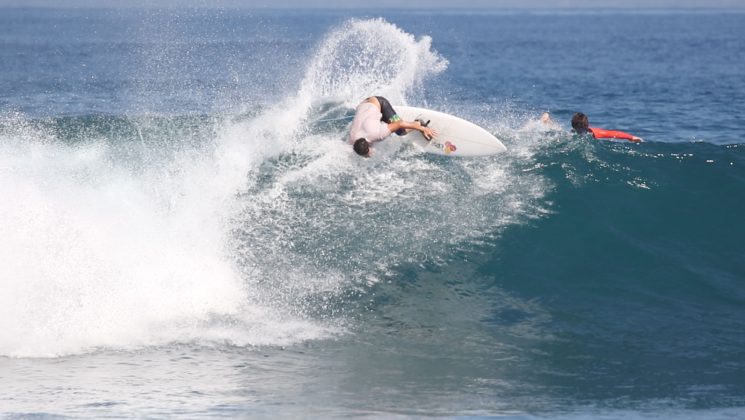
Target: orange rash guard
[(600, 133)]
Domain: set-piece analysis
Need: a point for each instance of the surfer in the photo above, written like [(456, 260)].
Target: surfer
[(581, 126), (374, 120)]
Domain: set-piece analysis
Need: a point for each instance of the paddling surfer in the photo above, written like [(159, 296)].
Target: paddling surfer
[(581, 126)]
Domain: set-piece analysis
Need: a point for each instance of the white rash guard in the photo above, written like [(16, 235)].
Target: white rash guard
[(367, 124)]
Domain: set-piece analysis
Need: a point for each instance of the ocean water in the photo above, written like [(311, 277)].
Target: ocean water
[(183, 231)]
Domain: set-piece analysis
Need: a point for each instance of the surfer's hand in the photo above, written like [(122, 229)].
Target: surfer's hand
[(428, 133), (637, 139)]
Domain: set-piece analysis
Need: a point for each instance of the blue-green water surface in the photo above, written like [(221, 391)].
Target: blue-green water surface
[(185, 232)]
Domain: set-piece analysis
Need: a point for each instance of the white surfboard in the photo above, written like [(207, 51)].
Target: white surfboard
[(455, 136)]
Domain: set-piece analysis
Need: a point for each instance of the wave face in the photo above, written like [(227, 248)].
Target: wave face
[(564, 273), (639, 267)]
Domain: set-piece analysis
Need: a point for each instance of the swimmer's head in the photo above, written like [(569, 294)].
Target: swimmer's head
[(580, 123)]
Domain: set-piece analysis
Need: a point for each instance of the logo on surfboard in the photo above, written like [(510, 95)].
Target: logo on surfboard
[(448, 147)]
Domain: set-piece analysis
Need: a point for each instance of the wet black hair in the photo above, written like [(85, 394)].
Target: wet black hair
[(580, 123), (362, 147)]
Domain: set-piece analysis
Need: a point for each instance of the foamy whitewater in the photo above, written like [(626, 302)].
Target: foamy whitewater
[(184, 231), (125, 245)]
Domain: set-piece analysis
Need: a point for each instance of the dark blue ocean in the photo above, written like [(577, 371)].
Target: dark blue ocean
[(183, 231)]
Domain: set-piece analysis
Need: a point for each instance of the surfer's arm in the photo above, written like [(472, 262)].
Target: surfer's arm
[(427, 132), (600, 133)]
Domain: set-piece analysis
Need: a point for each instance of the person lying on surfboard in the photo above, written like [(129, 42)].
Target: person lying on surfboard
[(374, 120), (581, 126)]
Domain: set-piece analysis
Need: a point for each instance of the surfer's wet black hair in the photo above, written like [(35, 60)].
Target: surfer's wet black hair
[(362, 147), (580, 123)]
